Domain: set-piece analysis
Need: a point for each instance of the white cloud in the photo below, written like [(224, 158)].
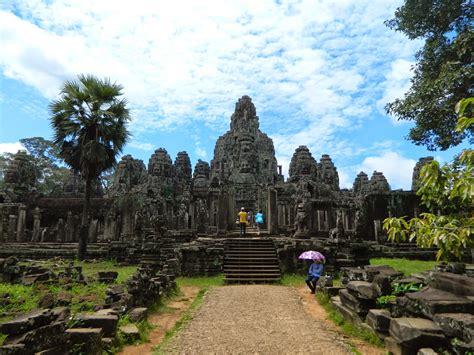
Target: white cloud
[(313, 68), (141, 145), (397, 82), (397, 169), (201, 152), (11, 147)]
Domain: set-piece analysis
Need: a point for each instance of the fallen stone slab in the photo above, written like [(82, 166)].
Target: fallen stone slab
[(14, 349), (138, 314), (107, 276), (108, 323), (426, 351), (60, 313), (430, 301), (417, 333), (362, 289), (27, 322), (382, 285), (346, 313), (41, 338), (85, 340), (57, 350), (130, 332), (460, 325), (332, 290), (360, 306), (457, 284), (379, 320)]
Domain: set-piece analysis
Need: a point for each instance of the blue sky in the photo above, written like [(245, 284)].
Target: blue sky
[(319, 73)]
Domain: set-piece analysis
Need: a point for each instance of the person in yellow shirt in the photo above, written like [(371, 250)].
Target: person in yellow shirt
[(242, 221)]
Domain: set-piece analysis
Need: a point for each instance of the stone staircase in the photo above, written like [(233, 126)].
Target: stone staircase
[(250, 260)]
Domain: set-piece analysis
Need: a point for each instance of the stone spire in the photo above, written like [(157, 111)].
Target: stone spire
[(182, 166), (160, 164), (415, 180), (378, 183), (328, 172), (303, 165), (244, 119), (130, 172), (361, 183)]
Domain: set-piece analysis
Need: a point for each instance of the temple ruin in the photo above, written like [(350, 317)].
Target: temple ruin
[(166, 199)]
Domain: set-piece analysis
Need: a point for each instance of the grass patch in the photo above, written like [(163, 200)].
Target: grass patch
[(187, 316), (21, 299), (201, 282), (347, 327), (406, 266), (292, 280), (2, 338)]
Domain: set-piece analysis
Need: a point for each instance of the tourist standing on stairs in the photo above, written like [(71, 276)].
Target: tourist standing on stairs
[(242, 221), (259, 221)]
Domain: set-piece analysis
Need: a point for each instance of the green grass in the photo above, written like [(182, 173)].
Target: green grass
[(200, 282), (23, 299), (292, 280), (406, 266), (347, 327), (2, 338), (187, 316)]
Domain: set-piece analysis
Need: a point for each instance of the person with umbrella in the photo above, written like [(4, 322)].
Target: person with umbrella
[(315, 269)]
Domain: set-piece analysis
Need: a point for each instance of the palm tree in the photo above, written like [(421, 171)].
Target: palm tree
[(89, 121)]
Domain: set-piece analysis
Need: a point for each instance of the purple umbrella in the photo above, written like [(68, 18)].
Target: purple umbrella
[(312, 255)]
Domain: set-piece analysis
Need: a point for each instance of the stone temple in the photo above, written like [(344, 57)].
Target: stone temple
[(168, 200)]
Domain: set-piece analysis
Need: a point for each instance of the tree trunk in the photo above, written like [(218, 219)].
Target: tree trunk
[(84, 231)]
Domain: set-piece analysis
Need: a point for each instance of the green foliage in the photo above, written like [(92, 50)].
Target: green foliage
[(2, 338), (201, 282), (347, 327), (400, 289), (443, 73), (448, 193), (384, 301), (21, 299), (292, 280), (406, 266)]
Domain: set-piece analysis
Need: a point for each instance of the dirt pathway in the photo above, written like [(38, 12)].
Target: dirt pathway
[(162, 322), (256, 319), (313, 309)]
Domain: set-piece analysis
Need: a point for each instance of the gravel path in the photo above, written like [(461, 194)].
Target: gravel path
[(255, 319)]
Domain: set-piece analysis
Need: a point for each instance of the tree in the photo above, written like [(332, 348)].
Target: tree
[(47, 161), (448, 194), (443, 74), (89, 121)]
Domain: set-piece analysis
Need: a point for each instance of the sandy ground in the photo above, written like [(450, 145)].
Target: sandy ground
[(252, 319)]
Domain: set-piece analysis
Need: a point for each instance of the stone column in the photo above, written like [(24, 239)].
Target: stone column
[(36, 225), (20, 227), (12, 228), (69, 228), (222, 204), (272, 211), (378, 230), (61, 235), (93, 231)]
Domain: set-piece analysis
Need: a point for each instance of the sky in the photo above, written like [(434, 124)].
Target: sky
[(318, 71)]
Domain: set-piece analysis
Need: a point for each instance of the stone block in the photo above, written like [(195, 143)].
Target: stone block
[(138, 314), (457, 284), (362, 290), (426, 351), (379, 320), (130, 332), (346, 312), (417, 333), (60, 313), (382, 285), (27, 322), (332, 291), (14, 349), (57, 350), (361, 307), (107, 276), (85, 340), (41, 338), (108, 323), (430, 301), (460, 325)]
